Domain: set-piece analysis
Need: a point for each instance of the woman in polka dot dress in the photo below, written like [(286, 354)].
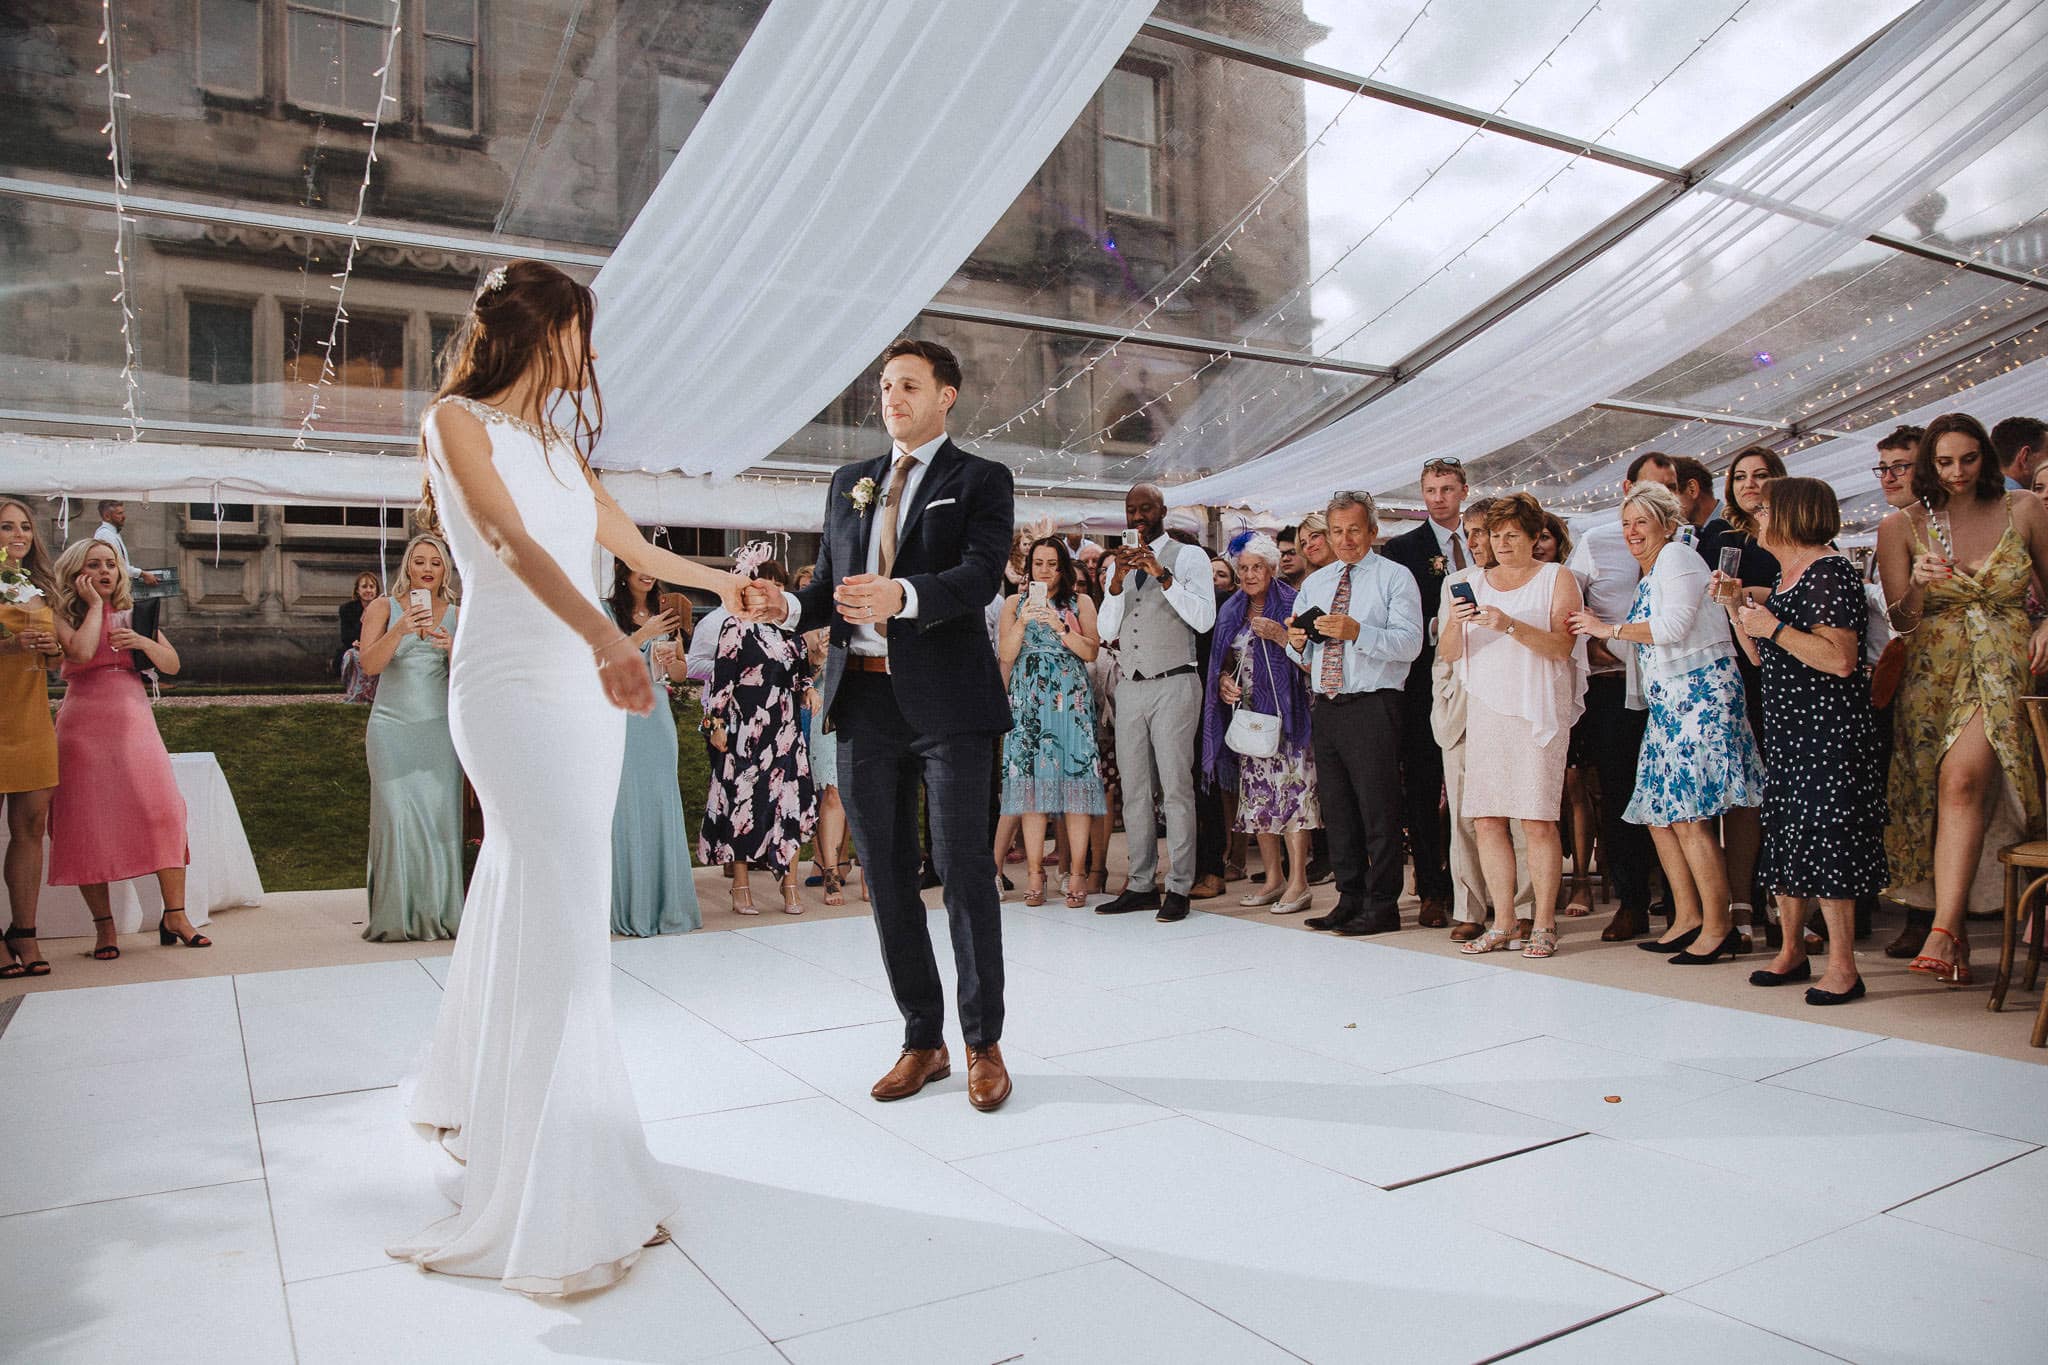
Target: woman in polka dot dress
[(1824, 806)]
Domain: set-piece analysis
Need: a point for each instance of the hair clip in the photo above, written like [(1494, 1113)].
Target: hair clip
[(750, 557), (494, 280)]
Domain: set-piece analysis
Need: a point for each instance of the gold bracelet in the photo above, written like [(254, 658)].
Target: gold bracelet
[(598, 653)]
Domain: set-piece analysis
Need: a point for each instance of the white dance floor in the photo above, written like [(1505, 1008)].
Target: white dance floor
[(1229, 1142)]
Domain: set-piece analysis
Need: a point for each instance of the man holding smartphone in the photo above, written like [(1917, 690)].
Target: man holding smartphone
[(1357, 628), (1160, 598)]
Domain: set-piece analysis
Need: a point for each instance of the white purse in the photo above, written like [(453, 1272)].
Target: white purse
[(1254, 734)]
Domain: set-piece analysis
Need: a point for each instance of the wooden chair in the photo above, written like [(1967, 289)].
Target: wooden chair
[(2020, 860)]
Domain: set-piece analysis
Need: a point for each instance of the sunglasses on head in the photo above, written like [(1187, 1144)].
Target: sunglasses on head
[(1442, 465)]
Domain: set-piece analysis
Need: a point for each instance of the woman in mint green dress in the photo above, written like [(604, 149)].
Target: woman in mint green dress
[(415, 778), (652, 888)]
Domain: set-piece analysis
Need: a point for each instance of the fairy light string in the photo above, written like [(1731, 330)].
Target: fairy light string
[(315, 390), (109, 67)]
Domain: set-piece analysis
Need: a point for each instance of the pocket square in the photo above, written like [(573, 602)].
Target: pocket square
[(940, 502)]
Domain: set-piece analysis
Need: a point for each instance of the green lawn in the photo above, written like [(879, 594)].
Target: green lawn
[(304, 794)]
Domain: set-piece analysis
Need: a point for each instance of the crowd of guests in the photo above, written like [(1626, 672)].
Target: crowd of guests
[(1696, 700), (96, 779)]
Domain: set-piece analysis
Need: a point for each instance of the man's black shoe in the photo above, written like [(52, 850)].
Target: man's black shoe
[(1175, 907), (1385, 922), (1340, 913), (928, 878), (1129, 902)]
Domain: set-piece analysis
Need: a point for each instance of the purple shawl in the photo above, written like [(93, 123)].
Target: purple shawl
[(1278, 686)]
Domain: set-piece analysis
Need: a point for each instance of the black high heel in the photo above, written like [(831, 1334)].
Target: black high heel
[(1721, 952), (167, 936), (21, 966), (1766, 977), (1676, 945), (108, 952)]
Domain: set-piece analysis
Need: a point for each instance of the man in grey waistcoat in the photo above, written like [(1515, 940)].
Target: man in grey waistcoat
[(1160, 598)]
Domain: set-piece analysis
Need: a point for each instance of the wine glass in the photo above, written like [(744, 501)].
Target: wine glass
[(1730, 586)]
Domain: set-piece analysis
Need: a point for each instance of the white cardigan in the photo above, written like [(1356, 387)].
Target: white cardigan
[(1688, 631)]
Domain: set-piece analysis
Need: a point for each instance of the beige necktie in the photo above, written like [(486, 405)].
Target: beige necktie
[(892, 512)]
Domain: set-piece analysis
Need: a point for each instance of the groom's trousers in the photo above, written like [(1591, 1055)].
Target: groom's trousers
[(882, 762)]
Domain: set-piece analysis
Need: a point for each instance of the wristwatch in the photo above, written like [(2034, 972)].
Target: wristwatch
[(1780, 630)]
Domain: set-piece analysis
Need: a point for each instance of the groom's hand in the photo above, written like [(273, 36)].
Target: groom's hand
[(865, 598), (764, 602)]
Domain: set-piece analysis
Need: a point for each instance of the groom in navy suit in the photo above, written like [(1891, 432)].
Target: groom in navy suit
[(914, 547)]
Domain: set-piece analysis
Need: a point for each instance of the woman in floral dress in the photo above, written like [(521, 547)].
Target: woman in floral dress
[(761, 805), (1276, 796), (1050, 763)]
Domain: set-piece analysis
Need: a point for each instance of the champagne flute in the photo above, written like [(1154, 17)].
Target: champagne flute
[(1730, 586)]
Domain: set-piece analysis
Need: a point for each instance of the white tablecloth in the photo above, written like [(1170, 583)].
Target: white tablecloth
[(222, 872)]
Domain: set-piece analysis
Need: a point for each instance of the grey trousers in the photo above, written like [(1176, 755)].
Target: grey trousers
[(1469, 901), (1157, 720)]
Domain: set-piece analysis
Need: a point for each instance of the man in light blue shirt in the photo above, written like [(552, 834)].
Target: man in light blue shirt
[(2021, 443), (1367, 631)]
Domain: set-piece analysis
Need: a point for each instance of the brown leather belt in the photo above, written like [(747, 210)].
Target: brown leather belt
[(868, 663)]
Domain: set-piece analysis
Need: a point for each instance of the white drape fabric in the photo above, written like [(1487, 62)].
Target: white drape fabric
[(1846, 461), (1945, 83), (847, 166)]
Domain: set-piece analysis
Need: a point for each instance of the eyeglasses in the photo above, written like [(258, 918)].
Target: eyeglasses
[(1892, 471)]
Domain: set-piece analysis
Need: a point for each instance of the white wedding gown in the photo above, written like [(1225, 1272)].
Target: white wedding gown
[(524, 1083)]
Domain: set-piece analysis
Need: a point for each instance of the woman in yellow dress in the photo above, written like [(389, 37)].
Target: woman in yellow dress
[(1955, 570), (28, 741)]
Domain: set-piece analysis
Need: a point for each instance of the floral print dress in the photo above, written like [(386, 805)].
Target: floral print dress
[(1050, 763), (1699, 758), (1275, 795), (761, 805)]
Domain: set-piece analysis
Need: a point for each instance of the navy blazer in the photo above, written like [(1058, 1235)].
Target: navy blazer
[(1416, 550), (941, 665)]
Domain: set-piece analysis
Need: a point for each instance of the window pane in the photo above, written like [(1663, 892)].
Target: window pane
[(220, 355), (452, 18), (679, 103), (314, 70), (362, 53), (367, 392), (1127, 177), (451, 84), (231, 44), (229, 511), (1129, 106)]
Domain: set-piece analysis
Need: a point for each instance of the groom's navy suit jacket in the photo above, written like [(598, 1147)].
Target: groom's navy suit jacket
[(951, 548)]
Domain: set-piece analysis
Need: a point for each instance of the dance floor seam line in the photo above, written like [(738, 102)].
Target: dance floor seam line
[(1105, 1259), (124, 1198), (263, 1164), (1487, 1161), (1564, 1332), (1929, 1194)]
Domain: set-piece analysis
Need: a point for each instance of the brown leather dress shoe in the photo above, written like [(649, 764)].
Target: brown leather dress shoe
[(1467, 930), (988, 1080), (1912, 936), (914, 1070), (1625, 925), (1435, 914), (1207, 888)]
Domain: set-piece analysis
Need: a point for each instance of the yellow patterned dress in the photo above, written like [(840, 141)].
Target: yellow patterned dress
[(1968, 654)]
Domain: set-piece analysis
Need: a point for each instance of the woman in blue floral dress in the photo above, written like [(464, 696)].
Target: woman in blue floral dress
[(1050, 763), (1699, 758)]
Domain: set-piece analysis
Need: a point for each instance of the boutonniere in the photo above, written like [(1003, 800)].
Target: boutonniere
[(862, 496), (1436, 566)]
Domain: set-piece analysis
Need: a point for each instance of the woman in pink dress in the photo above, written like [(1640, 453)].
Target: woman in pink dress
[(117, 812)]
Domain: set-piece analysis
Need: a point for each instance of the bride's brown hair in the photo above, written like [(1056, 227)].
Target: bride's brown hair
[(521, 312)]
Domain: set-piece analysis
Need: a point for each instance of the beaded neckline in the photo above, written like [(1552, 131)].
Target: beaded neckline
[(484, 412)]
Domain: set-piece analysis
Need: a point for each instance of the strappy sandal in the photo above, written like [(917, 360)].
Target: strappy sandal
[(22, 966), (1542, 943), (743, 901), (1580, 903), (167, 935), (1034, 888), (1077, 896), (792, 903), (1492, 941), (106, 952), (835, 883), (1956, 973)]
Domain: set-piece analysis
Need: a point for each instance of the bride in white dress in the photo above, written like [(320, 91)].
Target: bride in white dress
[(524, 1083)]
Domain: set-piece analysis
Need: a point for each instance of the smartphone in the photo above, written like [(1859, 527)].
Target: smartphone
[(1306, 620), (1463, 592), (680, 605), (1037, 594), (1131, 541), (422, 601)]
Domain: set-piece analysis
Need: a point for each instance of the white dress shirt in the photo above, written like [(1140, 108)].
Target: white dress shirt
[(111, 534), (1446, 539), (1192, 594), (702, 655), (1607, 575), (866, 639), (1387, 605)]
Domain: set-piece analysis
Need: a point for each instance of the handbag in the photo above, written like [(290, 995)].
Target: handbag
[(1886, 672), (1254, 734)]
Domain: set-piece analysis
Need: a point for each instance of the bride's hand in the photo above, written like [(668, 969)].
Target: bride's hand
[(624, 676), (731, 595)]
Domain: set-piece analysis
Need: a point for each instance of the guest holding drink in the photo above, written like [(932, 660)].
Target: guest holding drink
[(1249, 667), (652, 889), (1050, 766), (1699, 759), (1823, 794), (415, 779), (760, 808), (118, 812), (28, 742), (1956, 570)]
